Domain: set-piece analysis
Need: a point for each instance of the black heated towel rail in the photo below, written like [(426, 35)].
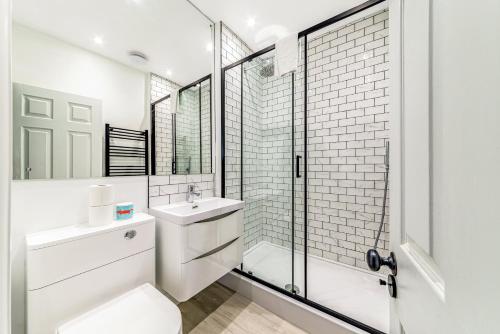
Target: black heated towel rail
[(126, 152)]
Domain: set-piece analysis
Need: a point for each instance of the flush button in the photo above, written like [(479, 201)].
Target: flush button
[(130, 234)]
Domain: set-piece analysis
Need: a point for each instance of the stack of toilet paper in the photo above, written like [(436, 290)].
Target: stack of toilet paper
[(101, 204)]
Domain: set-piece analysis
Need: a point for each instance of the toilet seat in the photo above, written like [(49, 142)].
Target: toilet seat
[(141, 310)]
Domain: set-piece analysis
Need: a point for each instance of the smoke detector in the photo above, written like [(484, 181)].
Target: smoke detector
[(138, 57)]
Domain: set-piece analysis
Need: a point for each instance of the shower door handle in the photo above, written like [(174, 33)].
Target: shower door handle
[(297, 165)]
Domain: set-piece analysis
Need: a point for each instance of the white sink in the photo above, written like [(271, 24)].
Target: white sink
[(184, 213)]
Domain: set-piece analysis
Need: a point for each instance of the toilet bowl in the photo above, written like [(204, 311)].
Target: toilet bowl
[(97, 279), (141, 310)]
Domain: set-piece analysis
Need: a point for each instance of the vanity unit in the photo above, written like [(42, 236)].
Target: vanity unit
[(197, 243)]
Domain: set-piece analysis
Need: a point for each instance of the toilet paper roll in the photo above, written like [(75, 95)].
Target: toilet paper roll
[(100, 215), (101, 194)]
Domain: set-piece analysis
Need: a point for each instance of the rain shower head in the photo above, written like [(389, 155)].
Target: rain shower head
[(267, 70)]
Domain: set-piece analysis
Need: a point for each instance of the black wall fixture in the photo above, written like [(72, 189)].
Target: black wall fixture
[(128, 158)]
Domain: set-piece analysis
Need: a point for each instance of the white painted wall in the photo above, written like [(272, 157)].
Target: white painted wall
[(5, 164), (44, 61), (46, 204)]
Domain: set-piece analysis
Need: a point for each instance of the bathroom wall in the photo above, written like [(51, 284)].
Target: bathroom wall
[(5, 163), (233, 48), (46, 204), (173, 188), (347, 130), (64, 67)]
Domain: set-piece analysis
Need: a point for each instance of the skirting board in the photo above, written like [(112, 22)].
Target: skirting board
[(295, 312)]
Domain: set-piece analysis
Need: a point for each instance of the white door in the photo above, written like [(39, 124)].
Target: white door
[(56, 135), (445, 165)]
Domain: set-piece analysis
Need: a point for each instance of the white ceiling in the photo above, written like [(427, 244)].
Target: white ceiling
[(171, 33), (274, 19)]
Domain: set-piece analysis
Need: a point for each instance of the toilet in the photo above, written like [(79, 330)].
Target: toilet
[(83, 279)]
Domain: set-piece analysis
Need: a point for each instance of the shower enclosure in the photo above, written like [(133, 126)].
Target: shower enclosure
[(310, 166)]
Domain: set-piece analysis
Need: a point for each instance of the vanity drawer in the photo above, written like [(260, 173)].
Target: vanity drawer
[(201, 272), (205, 236), (81, 255)]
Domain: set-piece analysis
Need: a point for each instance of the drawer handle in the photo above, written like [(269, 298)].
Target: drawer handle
[(215, 250), (130, 234), (224, 215)]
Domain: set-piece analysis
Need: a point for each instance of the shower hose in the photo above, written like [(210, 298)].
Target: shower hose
[(386, 181)]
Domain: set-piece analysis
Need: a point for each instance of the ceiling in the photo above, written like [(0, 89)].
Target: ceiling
[(274, 19), (171, 33)]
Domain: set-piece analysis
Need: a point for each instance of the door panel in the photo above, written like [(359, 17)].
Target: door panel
[(80, 113), (37, 147), (80, 154), (419, 276), (37, 107), (445, 166), (416, 120), (75, 127)]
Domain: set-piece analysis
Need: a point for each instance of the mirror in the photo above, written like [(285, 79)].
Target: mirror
[(189, 149), (85, 73)]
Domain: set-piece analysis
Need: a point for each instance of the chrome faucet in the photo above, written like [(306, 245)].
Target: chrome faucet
[(192, 193)]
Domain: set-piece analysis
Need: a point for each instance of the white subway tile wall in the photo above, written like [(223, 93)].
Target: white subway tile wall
[(347, 118), (173, 188)]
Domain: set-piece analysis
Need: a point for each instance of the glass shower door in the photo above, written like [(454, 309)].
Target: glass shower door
[(267, 165)]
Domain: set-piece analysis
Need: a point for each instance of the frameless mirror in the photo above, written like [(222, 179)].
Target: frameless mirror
[(84, 75)]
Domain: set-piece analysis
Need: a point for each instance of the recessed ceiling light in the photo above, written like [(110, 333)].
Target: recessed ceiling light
[(98, 40), (169, 73), (209, 47), (251, 22)]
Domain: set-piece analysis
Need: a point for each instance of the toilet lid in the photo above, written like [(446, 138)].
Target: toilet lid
[(142, 310)]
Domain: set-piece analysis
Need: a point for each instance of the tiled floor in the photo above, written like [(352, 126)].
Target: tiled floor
[(350, 291), (218, 310)]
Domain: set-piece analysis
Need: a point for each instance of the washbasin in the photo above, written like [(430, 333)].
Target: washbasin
[(184, 213)]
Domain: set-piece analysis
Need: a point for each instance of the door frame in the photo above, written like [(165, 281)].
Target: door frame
[(5, 162), (395, 120)]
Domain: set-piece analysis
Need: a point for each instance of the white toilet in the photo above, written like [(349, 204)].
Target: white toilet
[(97, 280)]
